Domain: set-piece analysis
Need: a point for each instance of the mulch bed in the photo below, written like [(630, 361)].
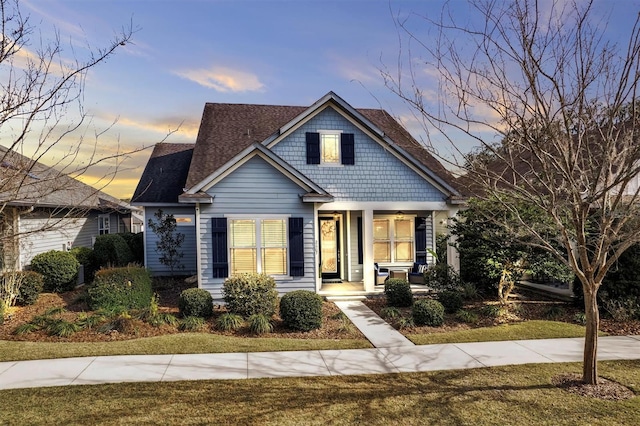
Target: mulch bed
[(605, 389), (168, 291)]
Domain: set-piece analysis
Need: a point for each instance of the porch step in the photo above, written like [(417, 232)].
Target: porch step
[(346, 298)]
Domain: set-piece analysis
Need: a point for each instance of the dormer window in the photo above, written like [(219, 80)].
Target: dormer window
[(330, 147)]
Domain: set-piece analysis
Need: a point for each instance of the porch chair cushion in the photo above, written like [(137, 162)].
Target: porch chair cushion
[(382, 274), (416, 275)]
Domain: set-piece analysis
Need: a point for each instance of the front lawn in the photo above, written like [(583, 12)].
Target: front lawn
[(512, 395)]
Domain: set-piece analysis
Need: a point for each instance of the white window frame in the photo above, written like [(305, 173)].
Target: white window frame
[(102, 219), (336, 133), (392, 238), (259, 245)]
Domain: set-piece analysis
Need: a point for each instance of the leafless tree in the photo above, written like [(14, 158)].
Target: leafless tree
[(42, 120), (551, 104)]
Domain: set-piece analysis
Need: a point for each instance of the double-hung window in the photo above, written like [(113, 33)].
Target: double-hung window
[(393, 240), (329, 148), (258, 246), (103, 224)]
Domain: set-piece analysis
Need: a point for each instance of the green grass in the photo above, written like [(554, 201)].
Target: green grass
[(513, 395), (517, 331), (169, 344)]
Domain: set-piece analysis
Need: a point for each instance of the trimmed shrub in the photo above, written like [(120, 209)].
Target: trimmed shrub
[(441, 277), (195, 302), (398, 292), (85, 257), (136, 245), (249, 294), (111, 250), (59, 270), (451, 300), (120, 289), (428, 312), (301, 310), (30, 288)]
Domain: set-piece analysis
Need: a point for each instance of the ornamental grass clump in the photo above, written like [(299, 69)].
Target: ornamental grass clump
[(301, 310), (250, 294)]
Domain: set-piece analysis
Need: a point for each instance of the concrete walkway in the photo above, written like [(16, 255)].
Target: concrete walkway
[(393, 353), (165, 368), (374, 328)]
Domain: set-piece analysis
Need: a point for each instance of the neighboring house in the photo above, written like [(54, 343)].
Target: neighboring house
[(42, 209), (310, 195)]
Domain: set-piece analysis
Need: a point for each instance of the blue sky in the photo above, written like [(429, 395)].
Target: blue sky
[(188, 52)]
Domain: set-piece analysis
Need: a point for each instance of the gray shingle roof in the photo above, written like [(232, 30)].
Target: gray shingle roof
[(30, 183), (165, 175), (227, 129)]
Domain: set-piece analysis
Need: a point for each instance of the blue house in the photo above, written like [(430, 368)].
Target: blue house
[(314, 196)]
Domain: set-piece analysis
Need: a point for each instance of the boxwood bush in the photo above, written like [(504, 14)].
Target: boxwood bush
[(136, 245), (398, 292), (249, 294), (111, 250), (301, 310), (195, 302), (451, 300), (30, 288), (118, 289), (85, 256), (428, 312), (58, 268)]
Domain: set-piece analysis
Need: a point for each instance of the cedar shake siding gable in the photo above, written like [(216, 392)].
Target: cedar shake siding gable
[(227, 129)]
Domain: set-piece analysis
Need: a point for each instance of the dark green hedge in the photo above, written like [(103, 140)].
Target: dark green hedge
[(195, 302), (398, 292), (111, 250), (58, 268), (301, 310), (120, 289)]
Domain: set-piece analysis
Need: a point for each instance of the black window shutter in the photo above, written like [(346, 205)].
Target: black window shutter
[(360, 252), (219, 247), (347, 148), (421, 239), (296, 247), (313, 148)]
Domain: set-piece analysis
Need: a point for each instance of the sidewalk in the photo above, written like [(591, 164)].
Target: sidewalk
[(393, 353)]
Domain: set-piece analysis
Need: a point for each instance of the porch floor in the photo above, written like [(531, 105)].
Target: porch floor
[(356, 288)]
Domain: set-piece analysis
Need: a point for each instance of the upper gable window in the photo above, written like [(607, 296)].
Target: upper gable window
[(329, 148)]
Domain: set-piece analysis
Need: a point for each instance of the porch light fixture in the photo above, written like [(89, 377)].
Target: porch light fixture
[(399, 215)]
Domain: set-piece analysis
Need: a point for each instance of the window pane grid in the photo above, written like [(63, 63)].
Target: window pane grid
[(393, 240), (258, 245)]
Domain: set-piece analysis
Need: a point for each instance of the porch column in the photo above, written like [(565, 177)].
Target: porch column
[(367, 251), (453, 256)]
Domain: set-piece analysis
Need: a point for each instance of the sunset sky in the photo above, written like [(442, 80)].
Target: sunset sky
[(185, 53)]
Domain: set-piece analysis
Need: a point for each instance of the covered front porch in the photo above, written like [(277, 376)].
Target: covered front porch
[(355, 238), (356, 289)]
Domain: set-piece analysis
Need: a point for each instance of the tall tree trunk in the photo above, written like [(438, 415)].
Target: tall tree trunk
[(590, 365)]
